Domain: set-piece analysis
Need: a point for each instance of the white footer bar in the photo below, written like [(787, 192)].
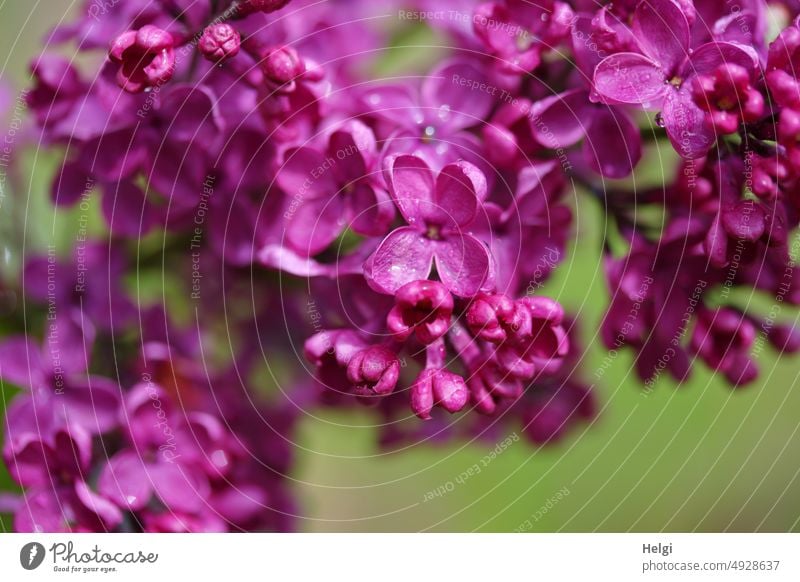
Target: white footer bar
[(401, 557)]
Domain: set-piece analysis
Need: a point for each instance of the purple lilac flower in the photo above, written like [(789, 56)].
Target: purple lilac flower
[(437, 212), (334, 188), (59, 390), (430, 121), (519, 32), (661, 72)]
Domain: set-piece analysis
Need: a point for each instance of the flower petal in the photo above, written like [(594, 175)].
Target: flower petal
[(21, 362), (713, 54), (464, 264), (630, 78), (372, 210), (70, 184), (178, 487), (663, 31), (613, 146), (395, 103), (305, 174), (93, 512), (403, 256), (411, 185), (127, 210), (452, 104), (685, 125), (316, 224), (561, 120), (459, 188), (353, 148), (93, 403), (125, 481)]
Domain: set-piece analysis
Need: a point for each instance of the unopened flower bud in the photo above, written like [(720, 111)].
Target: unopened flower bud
[(146, 58), (219, 41), (283, 65), (436, 387), (374, 371), (491, 317), (423, 307)]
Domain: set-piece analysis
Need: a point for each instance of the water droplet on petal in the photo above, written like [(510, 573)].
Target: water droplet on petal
[(219, 458), (660, 119)]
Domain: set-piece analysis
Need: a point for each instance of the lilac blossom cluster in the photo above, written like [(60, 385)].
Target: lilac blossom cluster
[(390, 236)]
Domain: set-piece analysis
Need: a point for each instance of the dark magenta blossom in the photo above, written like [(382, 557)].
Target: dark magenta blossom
[(611, 140), (146, 58), (55, 468), (660, 74), (333, 189), (494, 317), (519, 32), (90, 283), (437, 210), (172, 454), (58, 88), (430, 121), (60, 391), (267, 158)]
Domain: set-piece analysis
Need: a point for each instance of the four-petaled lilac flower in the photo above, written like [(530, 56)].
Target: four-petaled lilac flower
[(612, 144), (146, 58), (172, 454), (58, 88), (661, 73), (431, 121), (334, 189), (55, 467), (60, 391), (517, 32), (438, 210)]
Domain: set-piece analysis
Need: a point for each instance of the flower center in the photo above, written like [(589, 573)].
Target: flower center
[(676, 81), (433, 232), (428, 133), (524, 40)]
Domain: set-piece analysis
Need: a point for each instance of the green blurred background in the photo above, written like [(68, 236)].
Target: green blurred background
[(699, 457)]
